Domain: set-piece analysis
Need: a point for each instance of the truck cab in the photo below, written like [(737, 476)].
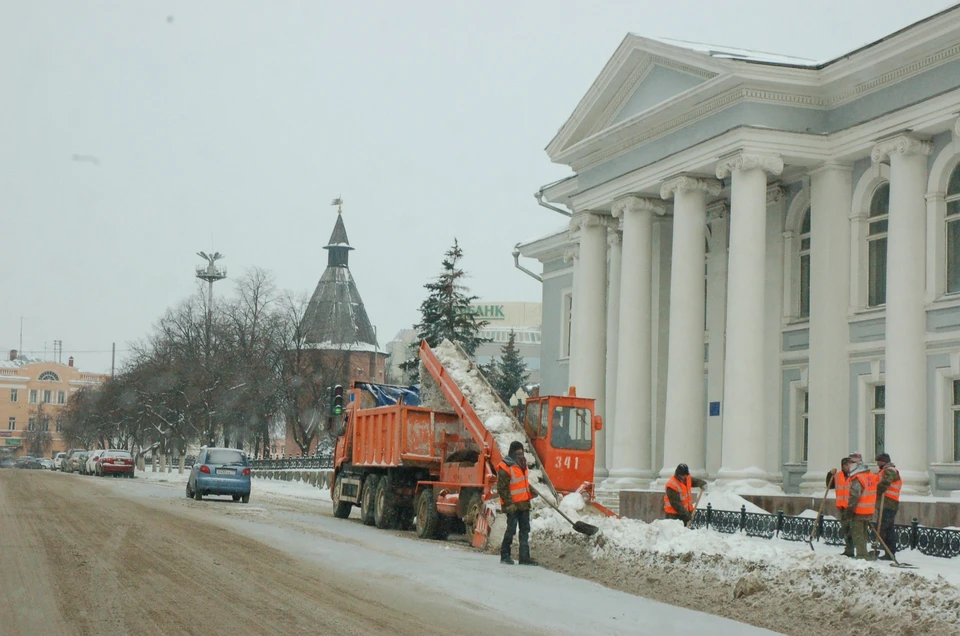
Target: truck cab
[(563, 430)]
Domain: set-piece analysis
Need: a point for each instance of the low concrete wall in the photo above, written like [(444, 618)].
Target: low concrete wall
[(319, 478), (648, 506)]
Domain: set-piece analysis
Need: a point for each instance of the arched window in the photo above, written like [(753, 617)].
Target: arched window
[(49, 376), (804, 304), (877, 246), (953, 232)]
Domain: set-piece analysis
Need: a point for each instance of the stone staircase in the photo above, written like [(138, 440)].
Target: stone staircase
[(609, 498)]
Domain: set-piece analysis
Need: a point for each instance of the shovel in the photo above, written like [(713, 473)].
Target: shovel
[(580, 526), (816, 521)]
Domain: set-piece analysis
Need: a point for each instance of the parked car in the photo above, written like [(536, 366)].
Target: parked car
[(72, 463), (220, 471), (46, 463), (82, 458), (93, 458), (6, 461), (118, 463), (58, 460), (28, 461)]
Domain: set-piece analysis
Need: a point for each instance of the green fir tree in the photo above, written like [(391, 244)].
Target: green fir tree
[(510, 372), (445, 313)]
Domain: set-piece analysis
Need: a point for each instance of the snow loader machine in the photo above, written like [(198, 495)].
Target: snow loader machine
[(433, 470)]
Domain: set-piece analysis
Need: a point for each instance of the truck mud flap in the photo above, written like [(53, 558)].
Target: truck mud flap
[(351, 489)]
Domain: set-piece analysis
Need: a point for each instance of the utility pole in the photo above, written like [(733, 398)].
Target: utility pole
[(211, 273), (113, 358)]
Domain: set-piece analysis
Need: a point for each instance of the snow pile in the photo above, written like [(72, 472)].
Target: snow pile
[(725, 498), (490, 409), (790, 568)]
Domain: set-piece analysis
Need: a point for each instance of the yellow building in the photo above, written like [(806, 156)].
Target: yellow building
[(33, 394)]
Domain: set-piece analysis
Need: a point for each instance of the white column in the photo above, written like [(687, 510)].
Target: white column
[(906, 359), (631, 465), (590, 287), (744, 444), (831, 199), (684, 438), (718, 216), (572, 255), (604, 437)]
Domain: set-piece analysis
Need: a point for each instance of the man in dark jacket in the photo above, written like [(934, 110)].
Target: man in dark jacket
[(513, 486), (888, 502)]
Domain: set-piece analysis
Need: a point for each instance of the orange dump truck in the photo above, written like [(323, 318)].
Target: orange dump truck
[(435, 470)]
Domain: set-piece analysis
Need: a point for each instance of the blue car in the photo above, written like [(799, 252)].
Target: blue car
[(220, 471)]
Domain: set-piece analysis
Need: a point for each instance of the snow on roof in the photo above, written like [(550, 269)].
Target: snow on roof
[(559, 230), (350, 346), (726, 52)]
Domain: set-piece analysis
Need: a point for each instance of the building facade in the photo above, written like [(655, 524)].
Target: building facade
[(761, 270), (33, 394), (523, 319)]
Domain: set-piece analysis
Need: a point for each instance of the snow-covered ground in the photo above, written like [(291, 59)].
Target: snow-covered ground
[(736, 560)]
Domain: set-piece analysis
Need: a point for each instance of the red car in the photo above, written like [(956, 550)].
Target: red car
[(115, 462)]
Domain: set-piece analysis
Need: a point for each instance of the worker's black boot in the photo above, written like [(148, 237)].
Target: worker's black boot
[(525, 556), (506, 560)]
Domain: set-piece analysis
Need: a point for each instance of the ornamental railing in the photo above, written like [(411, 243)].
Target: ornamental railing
[(319, 462), (938, 542)]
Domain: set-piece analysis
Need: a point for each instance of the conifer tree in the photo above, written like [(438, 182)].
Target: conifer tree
[(445, 313), (510, 372)]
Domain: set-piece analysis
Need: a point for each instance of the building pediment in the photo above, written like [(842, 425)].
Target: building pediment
[(641, 74)]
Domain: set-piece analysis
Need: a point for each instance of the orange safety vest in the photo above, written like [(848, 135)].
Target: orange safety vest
[(893, 492), (842, 483), (519, 485), (867, 503), (686, 497)]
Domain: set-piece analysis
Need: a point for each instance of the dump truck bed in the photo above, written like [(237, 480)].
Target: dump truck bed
[(393, 436)]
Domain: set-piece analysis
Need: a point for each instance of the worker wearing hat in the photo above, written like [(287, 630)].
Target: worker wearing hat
[(840, 480), (678, 498), (513, 486), (862, 503), (888, 495)]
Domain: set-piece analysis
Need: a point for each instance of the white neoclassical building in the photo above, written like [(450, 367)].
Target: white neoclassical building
[(760, 271)]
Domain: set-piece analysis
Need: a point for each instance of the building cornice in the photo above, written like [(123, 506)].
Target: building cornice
[(847, 145), (582, 144)]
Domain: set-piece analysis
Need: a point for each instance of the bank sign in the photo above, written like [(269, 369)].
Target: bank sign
[(488, 312)]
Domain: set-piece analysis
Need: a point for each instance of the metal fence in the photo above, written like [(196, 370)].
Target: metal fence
[(317, 462), (938, 542)]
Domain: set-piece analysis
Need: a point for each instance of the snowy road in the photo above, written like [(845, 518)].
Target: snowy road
[(83, 555)]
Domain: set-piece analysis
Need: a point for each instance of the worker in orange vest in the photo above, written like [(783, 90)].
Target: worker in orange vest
[(840, 481), (889, 483), (678, 498), (513, 486), (862, 502)]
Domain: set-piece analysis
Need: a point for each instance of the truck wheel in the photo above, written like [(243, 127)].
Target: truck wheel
[(427, 516), (341, 509), (368, 500), (385, 510)]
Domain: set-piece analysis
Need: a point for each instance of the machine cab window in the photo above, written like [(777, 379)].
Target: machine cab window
[(531, 418), (571, 429)]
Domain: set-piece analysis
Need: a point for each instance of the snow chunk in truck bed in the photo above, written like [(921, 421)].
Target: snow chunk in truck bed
[(490, 409)]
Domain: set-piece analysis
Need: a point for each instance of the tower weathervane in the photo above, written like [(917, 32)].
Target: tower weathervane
[(339, 203)]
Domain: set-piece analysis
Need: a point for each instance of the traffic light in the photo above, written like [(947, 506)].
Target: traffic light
[(337, 400), (329, 401)]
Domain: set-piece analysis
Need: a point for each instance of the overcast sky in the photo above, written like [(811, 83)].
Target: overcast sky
[(135, 133)]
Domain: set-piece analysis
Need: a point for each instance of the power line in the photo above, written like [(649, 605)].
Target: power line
[(70, 351)]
